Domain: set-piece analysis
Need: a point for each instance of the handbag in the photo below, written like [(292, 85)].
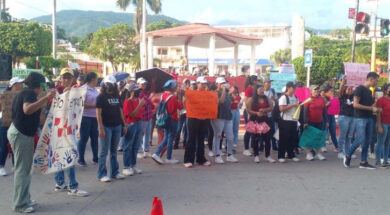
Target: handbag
[(262, 128), (251, 127)]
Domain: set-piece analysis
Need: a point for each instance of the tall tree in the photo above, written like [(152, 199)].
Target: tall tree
[(281, 56), (155, 6)]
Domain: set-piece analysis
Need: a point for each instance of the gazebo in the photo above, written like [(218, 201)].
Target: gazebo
[(202, 36)]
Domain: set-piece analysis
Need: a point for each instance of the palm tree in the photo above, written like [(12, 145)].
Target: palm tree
[(155, 6)]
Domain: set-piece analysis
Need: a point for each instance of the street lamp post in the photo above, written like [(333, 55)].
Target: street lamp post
[(374, 41)]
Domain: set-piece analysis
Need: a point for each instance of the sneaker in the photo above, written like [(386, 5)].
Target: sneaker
[(136, 170), (140, 155), (105, 179), (77, 192), (28, 210), (309, 156), (211, 154), (354, 156), (128, 172), (323, 149), (382, 166), (269, 159), (119, 176), (219, 160), (61, 188), (257, 159), (320, 157), (366, 165), (223, 146), (232, 159), (147, 155), (157, 159), (3, 172), (247, 153), (207, 163), (336, 149), (347, 162), (340, 155), (386, 164), (32, 202), (222, 154), (234, 145), (172, 161), (282, 160), (82, 163), (295, 159)]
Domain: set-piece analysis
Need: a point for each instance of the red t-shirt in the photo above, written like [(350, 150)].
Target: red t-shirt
[(235, 102), (173, 105), (316, 109), (249, 92), (128, 107), (384, 103)]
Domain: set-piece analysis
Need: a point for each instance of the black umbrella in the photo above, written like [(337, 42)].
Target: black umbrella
[(155, 77)]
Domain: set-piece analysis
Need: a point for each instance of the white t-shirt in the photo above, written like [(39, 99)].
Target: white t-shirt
[(288, 115)]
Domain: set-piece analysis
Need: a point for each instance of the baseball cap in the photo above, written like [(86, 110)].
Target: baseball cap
[(192, 82), (110, 79), (132, 87), (290, 84), (171, 84), (267, 80), (15, 80), (141, 81), (314, 87), (66, 71), (201, 80), (220, 80), (322, 87)]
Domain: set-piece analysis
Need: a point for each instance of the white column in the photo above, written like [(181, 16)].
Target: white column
[(212, 55), (143, 37), (150, 52), (253, 59), (235, 63)]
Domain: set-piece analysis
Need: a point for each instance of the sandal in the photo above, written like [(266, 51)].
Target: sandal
[(188, 165), (207, 163)]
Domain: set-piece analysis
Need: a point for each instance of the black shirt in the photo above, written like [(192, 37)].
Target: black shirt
[(346, 105), (111, 109), (366, 99), (26, 124), (224, 111)]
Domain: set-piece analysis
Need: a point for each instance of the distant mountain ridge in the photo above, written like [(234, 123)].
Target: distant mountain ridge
[(80, 23)]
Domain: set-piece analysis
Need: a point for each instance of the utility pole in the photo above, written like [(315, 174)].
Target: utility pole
[(54, 32), (143, 37), (373, 48), (0, 10), (354, 32)]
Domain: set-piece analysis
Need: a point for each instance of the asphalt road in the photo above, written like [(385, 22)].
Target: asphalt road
[(308, 187)]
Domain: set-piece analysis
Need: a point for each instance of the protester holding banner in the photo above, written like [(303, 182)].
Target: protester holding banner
[(89, 127), (333, 109), (223, 123), (16, 84), (383, 123), (250, 84), (111, 124), (314, 116), (172, 107), (133, 108), (346, 120), (197, 128), (258, 106), (235, 109), (67, 78), (364, 104), (288, 126), (26, 109)]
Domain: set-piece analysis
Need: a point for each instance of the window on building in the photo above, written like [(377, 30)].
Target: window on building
[(162, 51)]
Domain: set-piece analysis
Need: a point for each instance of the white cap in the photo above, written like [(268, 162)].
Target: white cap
[(220, 80), (192, 82), (184, 81), (201, 80), (141, 81), (15, 80), (110, 79)]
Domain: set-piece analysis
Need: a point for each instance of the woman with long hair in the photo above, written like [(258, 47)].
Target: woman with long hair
[(383, 123), (250, 83), (235, 109)]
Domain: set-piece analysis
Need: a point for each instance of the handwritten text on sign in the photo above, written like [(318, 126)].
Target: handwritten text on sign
[(279, 80), (356, 73), (201, 104), (57, 146)]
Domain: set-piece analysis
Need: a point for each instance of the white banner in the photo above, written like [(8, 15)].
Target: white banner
[(57, 145)]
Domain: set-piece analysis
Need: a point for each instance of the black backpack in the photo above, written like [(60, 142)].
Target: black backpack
[(276, 112)]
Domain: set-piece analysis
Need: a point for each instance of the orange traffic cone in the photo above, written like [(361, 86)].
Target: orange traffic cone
[(157, 208)]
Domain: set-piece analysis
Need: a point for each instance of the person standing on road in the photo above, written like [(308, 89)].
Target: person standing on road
[(16, 84), (223, 123), (235, 109), (333, 110), (89, 126), (383, 123), (250, 84), (183, 119), (26, 110), (271, 95), (364, 104), (67, 78), (111, 124)]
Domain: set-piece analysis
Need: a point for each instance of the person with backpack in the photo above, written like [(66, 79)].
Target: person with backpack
[(288, 126), (167, 118)]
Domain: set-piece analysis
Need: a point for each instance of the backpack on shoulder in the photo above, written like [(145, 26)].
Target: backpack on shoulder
[(276, 112), (162, 116)]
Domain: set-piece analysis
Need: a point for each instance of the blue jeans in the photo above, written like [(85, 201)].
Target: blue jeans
[(146, 129), (131, 145), (347, 131), (382, 146), (182, 126), (219, 126), (110, 142), (88, 129), (364, 127), (169, 135), (236, 125), (59, 177), (332, 129), (3, 145)]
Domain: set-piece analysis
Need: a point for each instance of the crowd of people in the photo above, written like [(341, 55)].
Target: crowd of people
[(122, 117)]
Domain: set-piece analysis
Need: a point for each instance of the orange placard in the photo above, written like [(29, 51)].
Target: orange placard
[(201, 104)]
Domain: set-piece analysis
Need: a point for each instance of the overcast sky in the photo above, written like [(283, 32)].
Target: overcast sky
[(322, 14)]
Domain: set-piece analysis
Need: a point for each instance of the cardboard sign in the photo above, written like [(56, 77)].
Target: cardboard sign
[(23, 73), (57, 145), (356, 73), (279, 80), (302, 93), (6, 106), (287, 68), (201, 104)]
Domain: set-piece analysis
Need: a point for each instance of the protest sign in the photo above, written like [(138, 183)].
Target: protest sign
[(6, 107), (356, 73), (279, 80), (201, 104), (23, 73), (287, 68), (57, 145), (302, 93)]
